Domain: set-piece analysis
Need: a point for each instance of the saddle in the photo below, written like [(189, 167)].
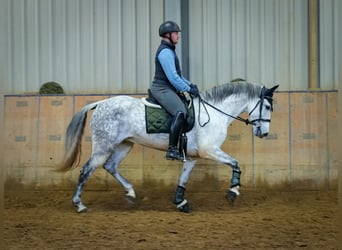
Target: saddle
[(158, 120)]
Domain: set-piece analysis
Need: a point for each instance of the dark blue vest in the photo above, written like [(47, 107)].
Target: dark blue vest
[(159, 76)]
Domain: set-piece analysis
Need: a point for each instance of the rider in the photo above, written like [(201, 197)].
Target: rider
[(168, 83)]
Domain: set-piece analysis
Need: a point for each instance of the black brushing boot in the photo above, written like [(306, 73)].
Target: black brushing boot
[(181, 203), (175, 131)]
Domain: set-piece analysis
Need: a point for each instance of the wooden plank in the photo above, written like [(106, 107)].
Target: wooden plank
[(271, 154), (54, 113), (21, 138), (332, 139), (308, 139)]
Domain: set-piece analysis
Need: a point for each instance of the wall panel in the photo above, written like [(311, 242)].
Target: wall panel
[(332, 123), (330, 29), (21, 138), (87, 46), (271, 154), (108, 46), (53, 119), (261, 41), (308, 138)]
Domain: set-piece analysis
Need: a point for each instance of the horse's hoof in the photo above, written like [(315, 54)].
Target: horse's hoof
[(80, 207), (130, 199), (184, 207), (130, 195), (231, 196)]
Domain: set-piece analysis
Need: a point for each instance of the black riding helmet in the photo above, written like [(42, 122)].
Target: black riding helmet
[(168, 27)]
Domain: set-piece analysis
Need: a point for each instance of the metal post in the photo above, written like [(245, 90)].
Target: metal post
[(313, 45)]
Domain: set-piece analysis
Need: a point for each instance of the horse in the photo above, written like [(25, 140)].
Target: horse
[(118, 122)]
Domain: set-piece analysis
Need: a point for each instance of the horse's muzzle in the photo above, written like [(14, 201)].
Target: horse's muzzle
[(264, 135), (260, 134)]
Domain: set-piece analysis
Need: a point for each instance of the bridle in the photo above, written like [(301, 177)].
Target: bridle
[(262, 97), (260, 103)]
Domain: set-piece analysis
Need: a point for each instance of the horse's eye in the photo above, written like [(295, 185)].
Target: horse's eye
[(268, 107)]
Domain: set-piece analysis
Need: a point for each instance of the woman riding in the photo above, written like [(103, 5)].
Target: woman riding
[(168, 83)]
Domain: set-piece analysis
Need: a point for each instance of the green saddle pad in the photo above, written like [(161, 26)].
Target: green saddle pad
[(158, 120)]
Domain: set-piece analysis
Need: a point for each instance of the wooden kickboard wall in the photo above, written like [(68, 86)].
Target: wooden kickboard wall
[(300, 151)]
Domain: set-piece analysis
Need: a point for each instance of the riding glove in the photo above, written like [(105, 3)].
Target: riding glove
[(194, 90)]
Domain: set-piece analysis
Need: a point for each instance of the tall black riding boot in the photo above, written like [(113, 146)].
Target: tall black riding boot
[(175, 131)]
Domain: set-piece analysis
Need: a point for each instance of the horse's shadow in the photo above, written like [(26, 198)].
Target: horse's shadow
[(161, 201)]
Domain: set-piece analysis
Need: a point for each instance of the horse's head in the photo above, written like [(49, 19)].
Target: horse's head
[(260, 110)]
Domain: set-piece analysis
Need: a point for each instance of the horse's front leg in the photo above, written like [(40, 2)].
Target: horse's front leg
[(181, 203), (217, 154), (233, 191)]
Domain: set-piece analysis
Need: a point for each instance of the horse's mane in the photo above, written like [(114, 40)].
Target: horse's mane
[(221, 92)]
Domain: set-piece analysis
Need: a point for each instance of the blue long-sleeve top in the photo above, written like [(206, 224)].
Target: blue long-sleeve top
[(166, 58)]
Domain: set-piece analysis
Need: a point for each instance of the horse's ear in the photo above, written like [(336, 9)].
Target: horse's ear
[(274, 88), (269, 92)]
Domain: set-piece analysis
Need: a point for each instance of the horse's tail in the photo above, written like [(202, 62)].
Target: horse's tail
[(73, 139)]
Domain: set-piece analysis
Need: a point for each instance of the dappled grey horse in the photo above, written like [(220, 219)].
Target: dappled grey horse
[(119, 122)]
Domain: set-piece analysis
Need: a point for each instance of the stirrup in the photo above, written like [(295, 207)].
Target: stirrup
[(174, 154)]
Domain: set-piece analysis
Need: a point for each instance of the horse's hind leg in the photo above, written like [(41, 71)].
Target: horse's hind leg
[(86, 171), (112, 164)]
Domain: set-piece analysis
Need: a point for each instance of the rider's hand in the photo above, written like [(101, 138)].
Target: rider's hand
[(194, 90)]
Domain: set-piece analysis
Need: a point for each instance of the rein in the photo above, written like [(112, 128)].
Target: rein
[(246, 121), (203, 102)]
